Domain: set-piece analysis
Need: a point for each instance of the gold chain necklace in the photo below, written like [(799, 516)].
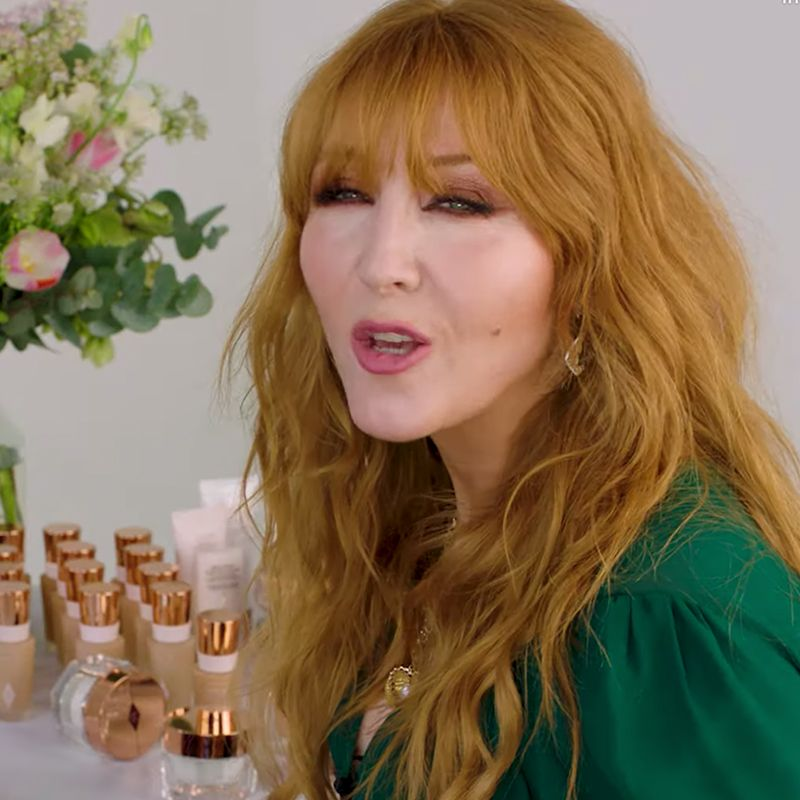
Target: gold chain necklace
[(401, 678)]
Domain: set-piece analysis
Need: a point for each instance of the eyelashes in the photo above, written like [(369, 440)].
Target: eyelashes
[(331, 195)]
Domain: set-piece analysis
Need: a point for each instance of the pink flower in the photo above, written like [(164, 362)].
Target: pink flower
[(34, 260), (102, 152)]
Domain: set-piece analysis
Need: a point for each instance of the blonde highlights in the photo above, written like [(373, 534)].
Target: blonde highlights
[(650, 277)]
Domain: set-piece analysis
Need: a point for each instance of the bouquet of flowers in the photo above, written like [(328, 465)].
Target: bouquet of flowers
[(78, 251)]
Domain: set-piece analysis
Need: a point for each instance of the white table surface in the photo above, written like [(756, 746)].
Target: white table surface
[(37, 761)]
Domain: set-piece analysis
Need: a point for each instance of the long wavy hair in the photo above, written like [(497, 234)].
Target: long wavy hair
[(651, 278)]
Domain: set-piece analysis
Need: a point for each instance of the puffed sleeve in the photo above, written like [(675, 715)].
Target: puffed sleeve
[(686, 699)]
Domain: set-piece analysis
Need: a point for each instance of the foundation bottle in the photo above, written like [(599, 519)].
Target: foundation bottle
[(9, 552), (98, 629), (149, 573), (12, 533), (65, 551), (79, 571), (171, 643), (204, 754), (53, 534), (134, 555), (16, 650), (122, 538), (217, 635), (106, 704), (14, 571)]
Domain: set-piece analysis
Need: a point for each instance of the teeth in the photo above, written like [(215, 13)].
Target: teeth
[(392, 337)]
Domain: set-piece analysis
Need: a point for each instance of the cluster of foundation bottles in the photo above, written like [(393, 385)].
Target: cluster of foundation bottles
[(143, 614)]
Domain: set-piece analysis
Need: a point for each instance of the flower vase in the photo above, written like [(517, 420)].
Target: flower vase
[(11, 472)]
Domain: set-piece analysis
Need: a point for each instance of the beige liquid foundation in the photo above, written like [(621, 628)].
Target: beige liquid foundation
[(16, 650), (53, 534), (99, 621), (149, 573), (135, 555), (122, 538), (171, 643), (217, 652), (64, 552), (79, 571)]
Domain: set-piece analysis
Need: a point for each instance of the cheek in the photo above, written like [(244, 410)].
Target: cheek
[(318, 263)]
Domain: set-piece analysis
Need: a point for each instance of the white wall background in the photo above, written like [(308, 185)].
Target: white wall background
[(126, 444)]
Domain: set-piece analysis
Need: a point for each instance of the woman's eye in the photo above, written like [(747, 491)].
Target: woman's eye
[(333, 194)]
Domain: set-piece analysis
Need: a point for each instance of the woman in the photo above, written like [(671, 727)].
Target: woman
[(538, 541)]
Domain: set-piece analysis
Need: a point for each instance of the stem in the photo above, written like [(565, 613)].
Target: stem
[(139, 146), (109, 111), (8, 496)]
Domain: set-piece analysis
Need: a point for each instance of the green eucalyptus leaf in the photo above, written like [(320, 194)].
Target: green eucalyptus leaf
[(214, 235), (174, 203), (165, 285), (93, 299), (78, 51), (67, 304), (194, 299), (63, 327), (19, 323), (154, 218), (188, 241), (3, 317), (83, 280), (132, 284), (203, 219), (98, 350), (103, 326), (105, 227), (134, 318)]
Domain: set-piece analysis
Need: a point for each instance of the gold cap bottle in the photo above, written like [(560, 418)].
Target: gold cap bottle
[(13, 571), (125, 536), (98, 604), (17, 648), (135, 555), (150, 573), (218, 640), (54, 533), (9, 552), (66, 550), (78, 572), (13, 533), (171, 601)]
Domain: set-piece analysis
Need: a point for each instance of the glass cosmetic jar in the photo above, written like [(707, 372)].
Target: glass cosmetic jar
[(105, 704), (203, 755)]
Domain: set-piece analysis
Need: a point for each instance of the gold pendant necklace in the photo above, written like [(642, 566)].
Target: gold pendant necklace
[(401, 678)]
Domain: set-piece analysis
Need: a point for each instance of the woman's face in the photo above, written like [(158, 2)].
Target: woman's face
[(477, 286)]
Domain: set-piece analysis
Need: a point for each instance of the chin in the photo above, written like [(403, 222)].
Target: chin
[(380, 425)]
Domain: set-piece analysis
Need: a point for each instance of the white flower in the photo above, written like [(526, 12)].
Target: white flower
[(82, 101), (62, 213), (39, 121), (142, 115), (91, 201), (31, 167)]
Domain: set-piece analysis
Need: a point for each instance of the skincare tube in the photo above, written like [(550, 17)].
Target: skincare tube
[(16, 650), (149, 573), (53, 534), (218, 578), (171, 642), (135, 555), (99, 621), (217, 650), (79, 571), (64, 552), (12, 533), (125, 536)]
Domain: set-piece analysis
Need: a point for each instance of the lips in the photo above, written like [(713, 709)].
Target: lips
[(364, 330)]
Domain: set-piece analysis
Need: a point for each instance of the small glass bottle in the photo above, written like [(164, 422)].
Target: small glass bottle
[(53, 534), (78, 572), (66, 550), (149, 573), (203, 754), (217, 634), (99, 621), (106, 704), (135, 555), (171, 642), (17, 648)]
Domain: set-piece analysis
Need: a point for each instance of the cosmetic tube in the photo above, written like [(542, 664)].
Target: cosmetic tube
[(79, 571), (64, 552), (16, 650), (171, 642), (203, 754), (218, 578), (12, 533), (151, 572), (106, 704), (217, 636), (135, 555), (53, 534), (99, 621)]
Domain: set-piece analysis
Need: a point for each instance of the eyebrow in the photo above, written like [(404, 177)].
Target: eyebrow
[(448, 160)]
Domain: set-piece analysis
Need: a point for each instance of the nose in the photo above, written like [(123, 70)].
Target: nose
[(388, 260)]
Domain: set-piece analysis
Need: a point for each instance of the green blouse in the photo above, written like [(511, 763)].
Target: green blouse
[(699, 696)]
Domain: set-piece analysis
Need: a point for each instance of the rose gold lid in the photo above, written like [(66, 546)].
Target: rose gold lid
[(154, 571), (218, 632), (74, 548), (9, 552), (80, 571), (99, 603), (12, 571), (11, 533), (171, 601), (124, 713), (136, 554), (58, 532), (15, 602), (131, 535), (207, 733)]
